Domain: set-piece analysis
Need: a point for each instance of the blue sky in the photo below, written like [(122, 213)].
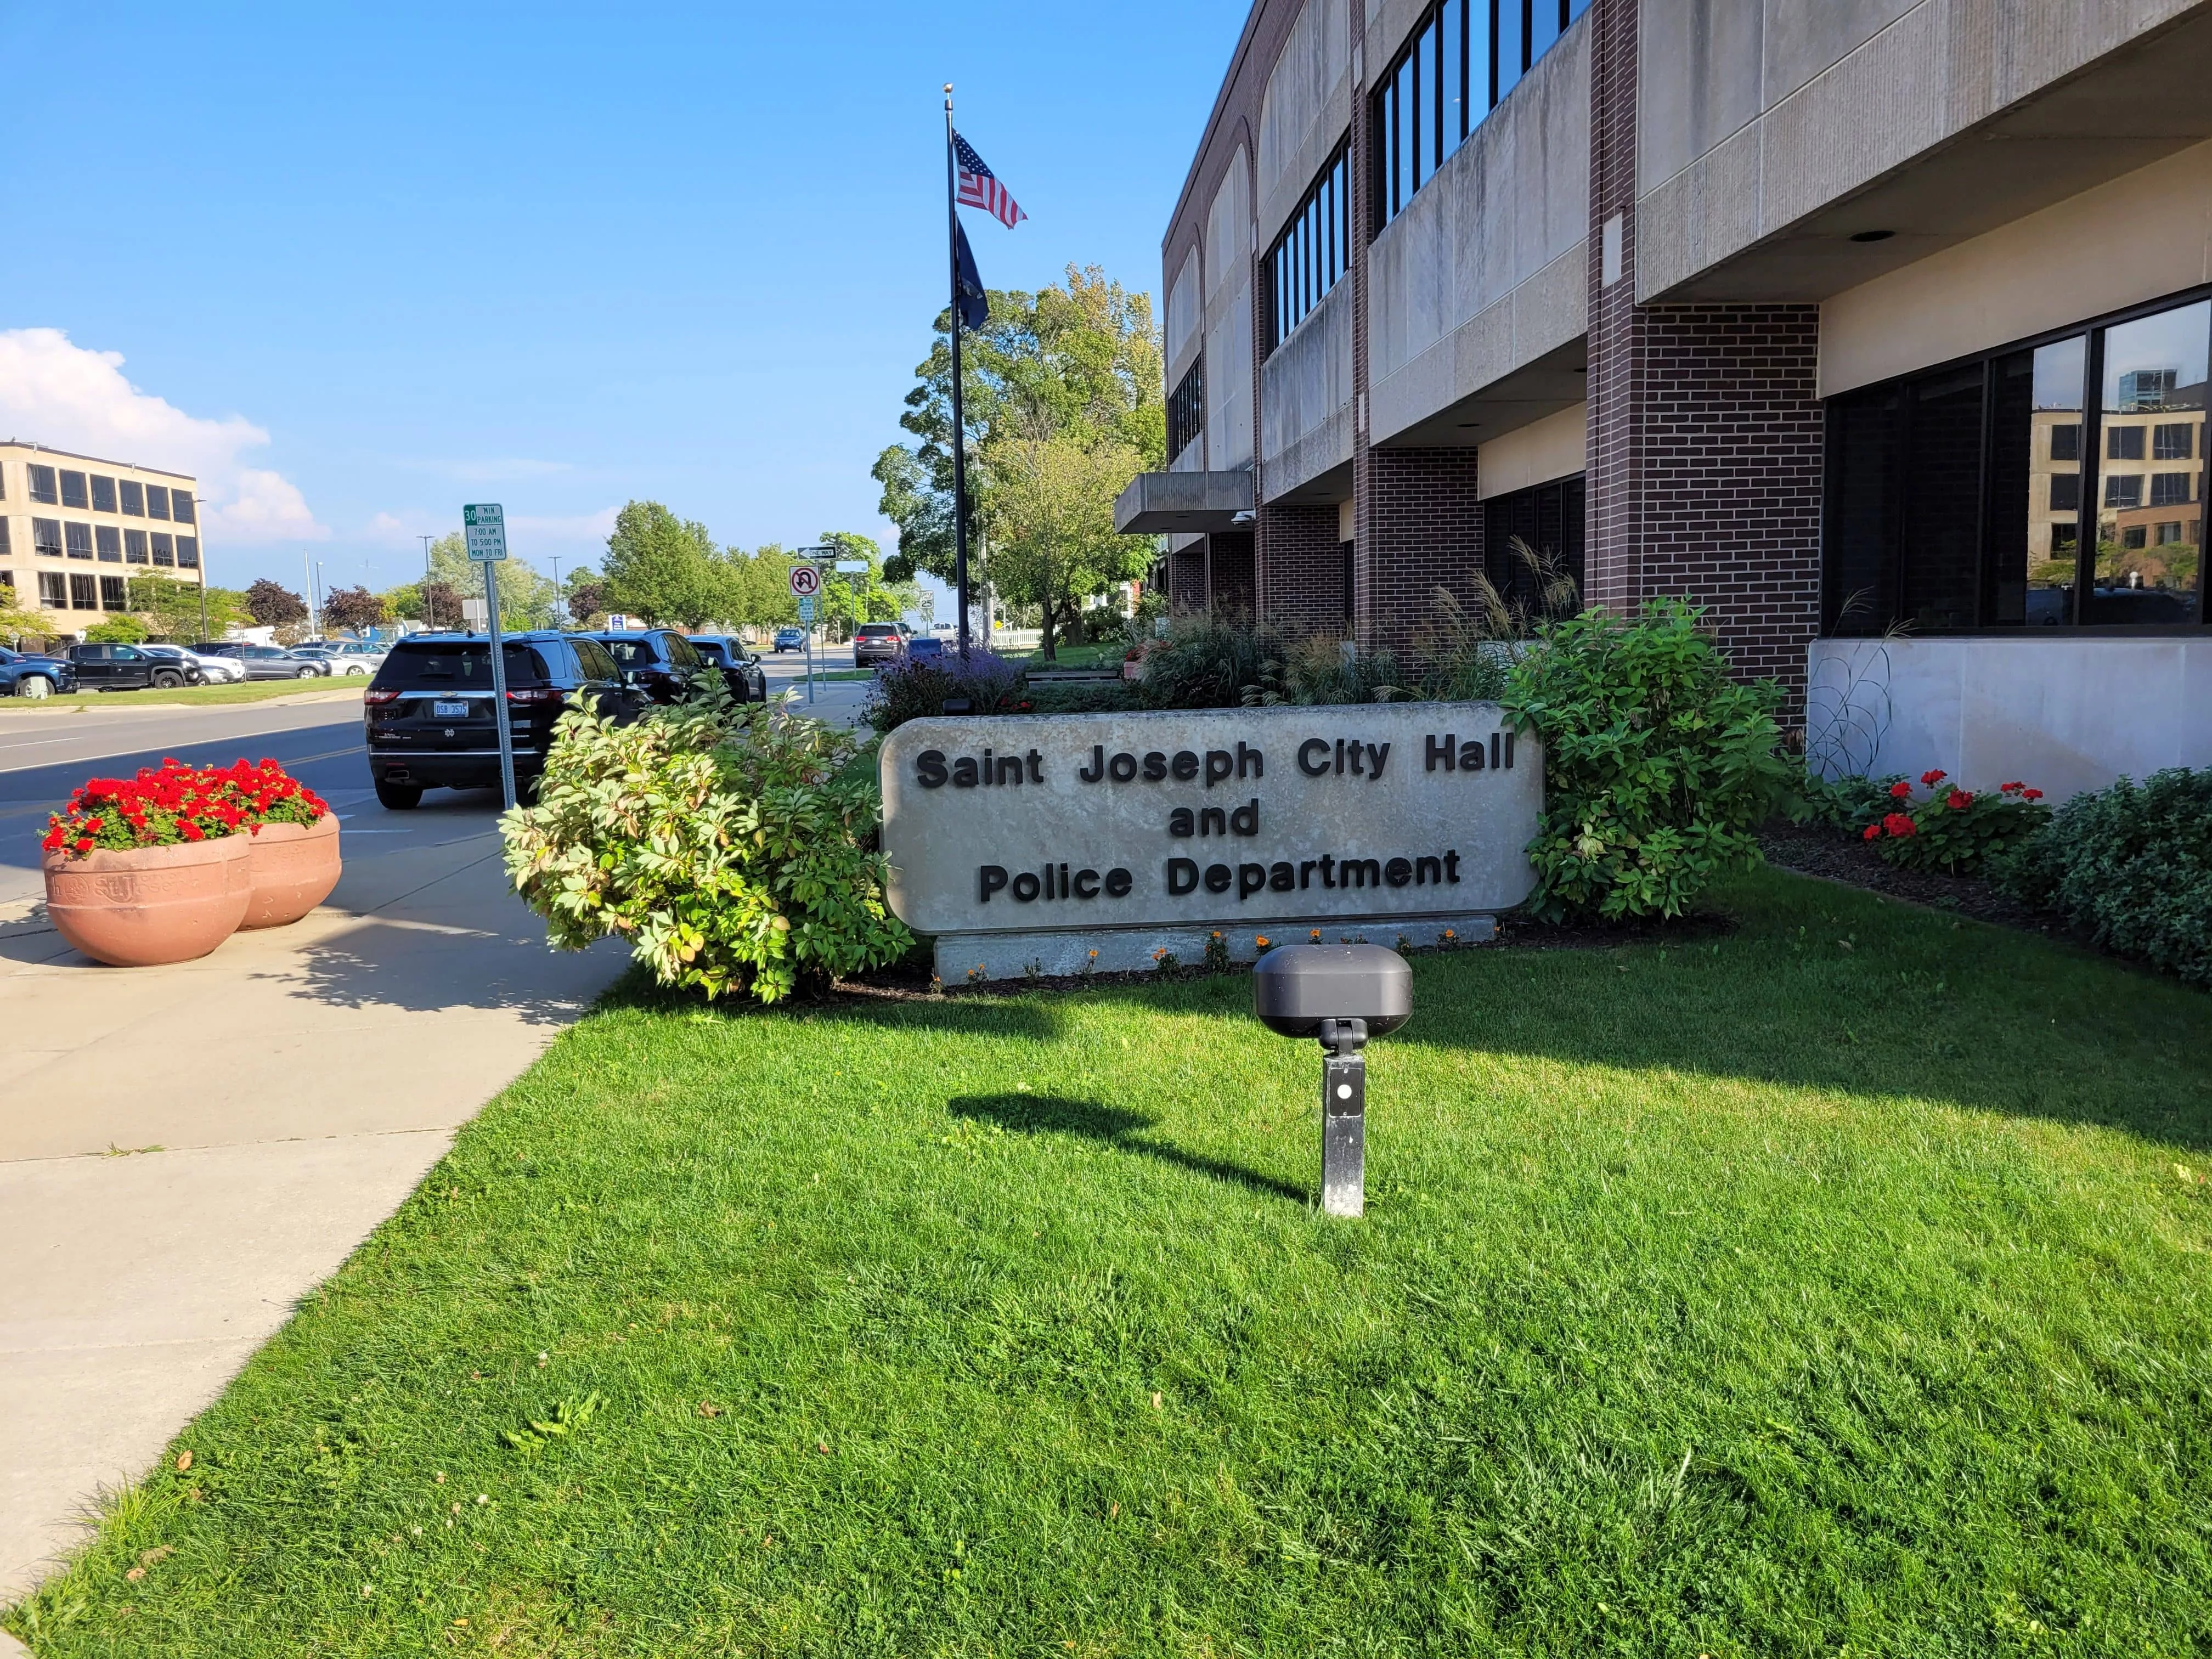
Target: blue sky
[(549, 256)]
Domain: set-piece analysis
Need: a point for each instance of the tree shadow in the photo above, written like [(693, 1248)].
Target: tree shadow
[(1111, 1126)]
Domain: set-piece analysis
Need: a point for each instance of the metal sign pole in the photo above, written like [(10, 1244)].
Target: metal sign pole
[(485, 527)]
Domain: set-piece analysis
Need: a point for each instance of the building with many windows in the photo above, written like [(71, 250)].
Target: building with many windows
[(74, 531), (1878, 327)]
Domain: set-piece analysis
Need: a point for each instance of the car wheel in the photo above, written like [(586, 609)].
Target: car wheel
[(304, 674), (35, 685), (168, 682), (399, 797), (356, 668)]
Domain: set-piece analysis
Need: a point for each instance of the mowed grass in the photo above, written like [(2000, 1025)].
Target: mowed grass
[(1834, 1286), (244, 691)]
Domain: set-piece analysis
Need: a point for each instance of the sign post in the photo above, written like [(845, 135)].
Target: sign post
[(485, 527), (805, 583)]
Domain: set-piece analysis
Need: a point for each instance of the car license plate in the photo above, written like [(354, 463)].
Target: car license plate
[(449, 711)]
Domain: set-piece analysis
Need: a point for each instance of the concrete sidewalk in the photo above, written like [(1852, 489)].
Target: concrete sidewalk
[(184, 1151)]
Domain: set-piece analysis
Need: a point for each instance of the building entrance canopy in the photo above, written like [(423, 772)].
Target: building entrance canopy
[(1184, 504)]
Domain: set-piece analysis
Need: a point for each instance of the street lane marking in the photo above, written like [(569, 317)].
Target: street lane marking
[(201, 743)]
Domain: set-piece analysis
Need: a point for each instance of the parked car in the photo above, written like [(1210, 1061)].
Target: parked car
[(877, 642), (428, 715), (128, 668), (790, 639), (748, 682), (358, 656), (214, 671), (23, 674), (925, 647), (270, 662), (658, 661)]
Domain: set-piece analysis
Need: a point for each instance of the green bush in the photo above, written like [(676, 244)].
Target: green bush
[(1658, 768), (2132, 865), (718, 838)]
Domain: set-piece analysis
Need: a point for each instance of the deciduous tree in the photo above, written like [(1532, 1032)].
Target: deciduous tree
[(1051, 513), (272, 605), (662, 567), (353, 607)]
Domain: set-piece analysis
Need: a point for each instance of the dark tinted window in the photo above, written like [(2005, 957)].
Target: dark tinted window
[(712, 650), (879, 630), (1942, 521), (180, 506), (103, 493), (157, 502), (74, 490), (42, 484), (1865, 439), (680, 651), (1533, 550), (457, 663), (592, 659), (134, 498), (633, 653)]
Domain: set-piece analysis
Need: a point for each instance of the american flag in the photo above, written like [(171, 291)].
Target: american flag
[(980, 186)]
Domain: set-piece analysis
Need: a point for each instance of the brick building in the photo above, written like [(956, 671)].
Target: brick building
[(1878, 327)]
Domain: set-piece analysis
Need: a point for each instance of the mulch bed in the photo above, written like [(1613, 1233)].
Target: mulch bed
[(1813, 850)]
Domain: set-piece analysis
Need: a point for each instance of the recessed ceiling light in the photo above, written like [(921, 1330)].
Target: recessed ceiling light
[(1872, 235)]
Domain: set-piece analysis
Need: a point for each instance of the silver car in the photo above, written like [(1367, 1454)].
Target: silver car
[(214, 671)]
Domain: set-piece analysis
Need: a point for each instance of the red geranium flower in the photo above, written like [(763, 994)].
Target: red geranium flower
[(2031, 794), (1958, 800), (1898, 824), (1873, 833), (1900, 790), (1931, 779)]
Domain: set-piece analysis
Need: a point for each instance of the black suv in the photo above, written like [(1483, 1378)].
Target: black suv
[(740, 667), (126, 668), (660, 662), (428, 715)]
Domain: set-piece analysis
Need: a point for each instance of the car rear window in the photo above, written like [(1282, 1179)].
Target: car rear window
[(680, 652), (458, 663), (711, 651), (879, 630)]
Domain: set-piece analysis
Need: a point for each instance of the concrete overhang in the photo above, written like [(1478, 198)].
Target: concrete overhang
[(1183, 503), (1556, 380), (2121, 112)]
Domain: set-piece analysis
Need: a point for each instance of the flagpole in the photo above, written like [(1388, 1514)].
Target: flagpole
[(959, 428)]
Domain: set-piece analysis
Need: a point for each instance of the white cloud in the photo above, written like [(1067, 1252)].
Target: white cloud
[(52, 391)]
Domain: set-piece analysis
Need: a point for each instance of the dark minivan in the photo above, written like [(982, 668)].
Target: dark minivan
[(428, 714)]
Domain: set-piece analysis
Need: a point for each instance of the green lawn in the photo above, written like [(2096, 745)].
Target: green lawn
[(244, 691), (1832, 1286), (1078, 656)]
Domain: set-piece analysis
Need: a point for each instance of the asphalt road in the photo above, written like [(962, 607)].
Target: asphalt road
[(43, 755)]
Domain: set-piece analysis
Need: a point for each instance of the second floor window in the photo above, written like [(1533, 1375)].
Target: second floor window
[(1314, 250), (1464, 57), (80, 539), (46, 536), (1187, 408), (134, 547), (108, 540), (188, 552), (42, 484)]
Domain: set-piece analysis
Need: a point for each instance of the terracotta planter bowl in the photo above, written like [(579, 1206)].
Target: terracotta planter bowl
[(295, 868), (152, 904)]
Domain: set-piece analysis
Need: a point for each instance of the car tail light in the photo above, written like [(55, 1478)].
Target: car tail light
[(536, 694), (374, 696)]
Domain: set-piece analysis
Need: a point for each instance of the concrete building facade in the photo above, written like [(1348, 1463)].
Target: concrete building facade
[(74, 531), (1879, 328)]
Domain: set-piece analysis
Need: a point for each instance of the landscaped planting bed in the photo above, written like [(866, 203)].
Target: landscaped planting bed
[(1833, 1284)]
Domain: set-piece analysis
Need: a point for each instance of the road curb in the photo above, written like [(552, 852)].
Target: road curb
[(47, 705)]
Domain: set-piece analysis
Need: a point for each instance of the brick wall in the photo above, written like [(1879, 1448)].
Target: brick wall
[(1187, 579), (1731, 472), (1301, 569), (1704, 435), (1230, 581), (1424, 531)]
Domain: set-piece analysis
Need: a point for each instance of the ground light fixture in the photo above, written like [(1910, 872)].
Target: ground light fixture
[(1341, 994)]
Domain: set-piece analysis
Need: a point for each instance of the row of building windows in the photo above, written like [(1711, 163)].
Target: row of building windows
[(56, 539), (1314, 250), (70, 592), (94, 493), (1187, 408), (1987, 494), (1465, 56)]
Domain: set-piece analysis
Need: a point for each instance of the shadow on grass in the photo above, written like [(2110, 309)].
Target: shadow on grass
[(1111, 1126)]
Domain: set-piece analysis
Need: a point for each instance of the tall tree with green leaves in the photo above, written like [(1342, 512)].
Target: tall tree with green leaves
[(662, 567), (1051, 514), (1069, 369), (526, 596)]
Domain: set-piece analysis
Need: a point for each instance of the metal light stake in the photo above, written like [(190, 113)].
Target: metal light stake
[(1341, 995)]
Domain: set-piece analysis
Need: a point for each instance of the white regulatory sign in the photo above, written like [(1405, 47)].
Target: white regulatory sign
[(806, 580), (485, 527)]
